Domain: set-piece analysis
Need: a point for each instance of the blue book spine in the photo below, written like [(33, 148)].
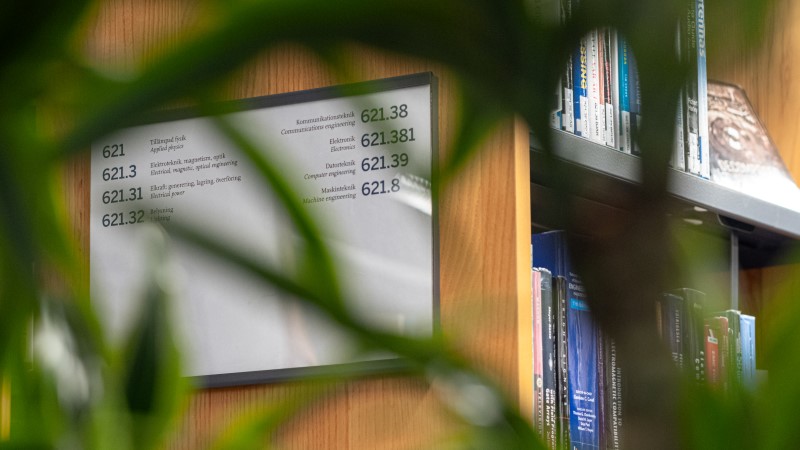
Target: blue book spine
[(626, 143), (748, 336), (580, 80), (547, 252), (703, 143), (583, 369)]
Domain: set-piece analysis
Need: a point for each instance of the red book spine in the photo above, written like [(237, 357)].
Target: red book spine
[(712, 357)]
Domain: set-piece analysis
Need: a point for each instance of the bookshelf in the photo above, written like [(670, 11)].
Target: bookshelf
[(764, 231)]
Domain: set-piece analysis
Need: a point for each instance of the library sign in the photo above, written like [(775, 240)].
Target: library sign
[(359, 156)]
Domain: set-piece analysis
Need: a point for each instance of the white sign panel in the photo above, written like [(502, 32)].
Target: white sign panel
[(360, 160)]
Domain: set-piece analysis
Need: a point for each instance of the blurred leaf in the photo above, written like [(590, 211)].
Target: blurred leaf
[(781, 394), (153, 383), (716, 420)]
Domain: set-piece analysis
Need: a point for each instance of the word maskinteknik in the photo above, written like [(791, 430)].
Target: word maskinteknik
[(344, 187)]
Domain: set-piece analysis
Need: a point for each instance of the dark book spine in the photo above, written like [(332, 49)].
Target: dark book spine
[(635, 102), (550, 373), (562, 335), (612, 396), (694, 335), (688, 30), (602, 411), (735, 344), (673, 319), (538, 351)]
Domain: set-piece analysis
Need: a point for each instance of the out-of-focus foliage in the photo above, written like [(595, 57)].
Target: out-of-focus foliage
[(70, 388)]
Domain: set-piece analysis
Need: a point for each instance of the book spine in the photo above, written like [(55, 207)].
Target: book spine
[(549, 356), (602, 412), (735, 344), (580, 78), (562, 335), (673, 319), (610, 82), (555, 108), (635, 103), (722, 330), (582, 357), (694, 345), (678, 159), (538, 351), (612, 397), (567, 82), (625, 141), (703, 143), (748, 338), (679, 154), (596, 125), (691, 95), (712, 365)]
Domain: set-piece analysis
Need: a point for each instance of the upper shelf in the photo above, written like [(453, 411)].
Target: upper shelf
[(765, 230)]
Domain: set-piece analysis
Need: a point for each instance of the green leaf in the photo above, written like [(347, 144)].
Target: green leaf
[(153, 384)]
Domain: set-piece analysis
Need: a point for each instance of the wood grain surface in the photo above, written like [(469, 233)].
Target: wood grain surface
[(769, 72), (484, 229)]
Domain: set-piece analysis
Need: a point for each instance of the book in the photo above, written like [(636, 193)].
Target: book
[(718, 328), (623, 81), (580, 79), (610, 93), (702, 91), (673, 318), (545, 359), (562, 368), (712, 365), (538, 352), (748, 339), (567, 82), (736, 367), (635, 93), (693, 333), (596, 117), (688, 54), (548, 254), (550, 251), (612, 395)]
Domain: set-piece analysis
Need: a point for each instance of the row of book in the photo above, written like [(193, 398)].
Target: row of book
[(718, 349), (599, 95), (578, 382)]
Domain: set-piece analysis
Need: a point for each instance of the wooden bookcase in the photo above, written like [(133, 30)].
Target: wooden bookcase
[(484, 228)]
